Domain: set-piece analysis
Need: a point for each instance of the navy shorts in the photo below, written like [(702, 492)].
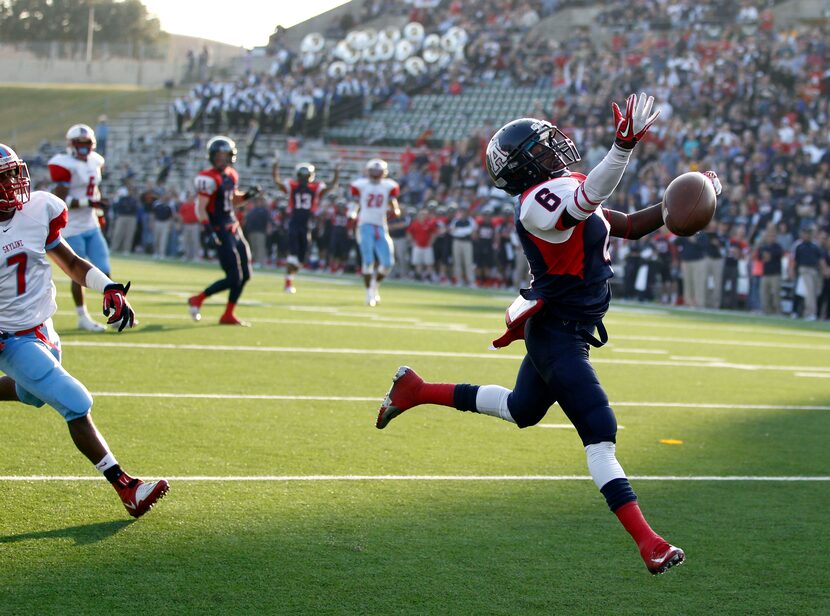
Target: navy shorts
[(557, 368)]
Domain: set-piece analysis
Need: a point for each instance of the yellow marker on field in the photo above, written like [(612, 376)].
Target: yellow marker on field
[(670, 441)]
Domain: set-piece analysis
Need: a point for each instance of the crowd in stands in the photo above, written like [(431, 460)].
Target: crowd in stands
[(737, 94)]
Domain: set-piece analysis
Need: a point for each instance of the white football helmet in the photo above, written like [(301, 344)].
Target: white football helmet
[(80, 140), (15, 187), (377, 168)]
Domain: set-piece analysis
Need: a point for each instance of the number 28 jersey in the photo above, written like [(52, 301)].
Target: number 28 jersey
[(569, 267), (374, 197), (83, 179), (27, 293)]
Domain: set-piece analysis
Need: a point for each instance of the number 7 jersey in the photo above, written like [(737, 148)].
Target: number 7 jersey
[(569, 267), (27, 293)]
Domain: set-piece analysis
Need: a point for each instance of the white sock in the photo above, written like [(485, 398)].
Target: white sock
[(108, 461), (602, 462), (492, 400), (81, 310)]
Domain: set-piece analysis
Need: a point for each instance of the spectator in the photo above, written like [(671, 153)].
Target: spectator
[(422, 232), (463, 230), (257, 227), (125, 211), (770, 254), (163, 211), (807, 257), (191, 228)]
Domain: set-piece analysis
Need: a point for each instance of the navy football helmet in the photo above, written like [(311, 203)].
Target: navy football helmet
[(221, 144), (526, 152)]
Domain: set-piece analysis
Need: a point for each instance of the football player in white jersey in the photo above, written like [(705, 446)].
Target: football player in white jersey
[(77, 177), (30, 351), (376, 193)]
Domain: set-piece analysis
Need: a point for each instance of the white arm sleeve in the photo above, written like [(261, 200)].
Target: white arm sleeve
[(600, 183)]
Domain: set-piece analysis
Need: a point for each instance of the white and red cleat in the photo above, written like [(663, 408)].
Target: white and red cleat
[(289, 288), (87, 324), (230, 319), (662, 557), (140, 496), (402, 395), (195, 306)]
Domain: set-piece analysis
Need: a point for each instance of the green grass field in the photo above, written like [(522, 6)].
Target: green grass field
[(276, 503), (34, 113)]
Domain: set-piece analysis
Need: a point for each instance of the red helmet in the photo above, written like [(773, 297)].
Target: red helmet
[(14, 180)]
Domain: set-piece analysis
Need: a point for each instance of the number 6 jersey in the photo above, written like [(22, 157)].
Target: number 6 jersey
[(569, 267), (27, 293)]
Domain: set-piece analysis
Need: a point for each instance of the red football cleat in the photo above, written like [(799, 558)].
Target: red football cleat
[(139, 496), (230, 319), (194, 305), (662, 557), (402, 396)]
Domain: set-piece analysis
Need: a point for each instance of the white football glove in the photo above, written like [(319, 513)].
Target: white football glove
[(715, 181), (638, 118)]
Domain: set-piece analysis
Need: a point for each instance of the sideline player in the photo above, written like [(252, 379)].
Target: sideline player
[(375, 193), (77, 177), (30, 351), (304, 194), (218, 195), (564, 232)]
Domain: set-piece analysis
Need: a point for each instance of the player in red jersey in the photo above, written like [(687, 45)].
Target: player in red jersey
[(32, 226), (304, 193), (564, 232), (218, 196)]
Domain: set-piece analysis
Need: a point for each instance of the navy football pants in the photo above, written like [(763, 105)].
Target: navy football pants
[(235, 258), (557, 369)]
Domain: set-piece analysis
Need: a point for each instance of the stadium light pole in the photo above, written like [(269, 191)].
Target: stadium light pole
[(90, 28)]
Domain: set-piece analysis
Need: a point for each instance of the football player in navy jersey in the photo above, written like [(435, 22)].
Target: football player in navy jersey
[(564, 232), (218, 196), (304, 194)]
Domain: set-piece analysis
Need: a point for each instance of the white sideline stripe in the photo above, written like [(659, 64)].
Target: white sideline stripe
[(410, 323), (683, 405), (566, 426), (412, 353), (694, 358), (126, 394), (813, 374), (643, 351), (426, 478)]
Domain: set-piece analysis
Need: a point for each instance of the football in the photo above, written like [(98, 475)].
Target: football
[(689, 203)]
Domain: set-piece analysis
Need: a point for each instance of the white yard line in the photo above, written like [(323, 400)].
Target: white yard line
[(374, 321), (123, 346), (682, 405), (565, 426), (311, 478), (825, 375)]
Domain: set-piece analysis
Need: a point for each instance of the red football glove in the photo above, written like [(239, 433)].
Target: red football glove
[(635, 123), (713, 177), (116, 306)]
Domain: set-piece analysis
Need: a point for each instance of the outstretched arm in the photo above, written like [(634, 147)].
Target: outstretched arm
[(333, 183), (636, 225), (603, 179), (116, 306), (275, 173)]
